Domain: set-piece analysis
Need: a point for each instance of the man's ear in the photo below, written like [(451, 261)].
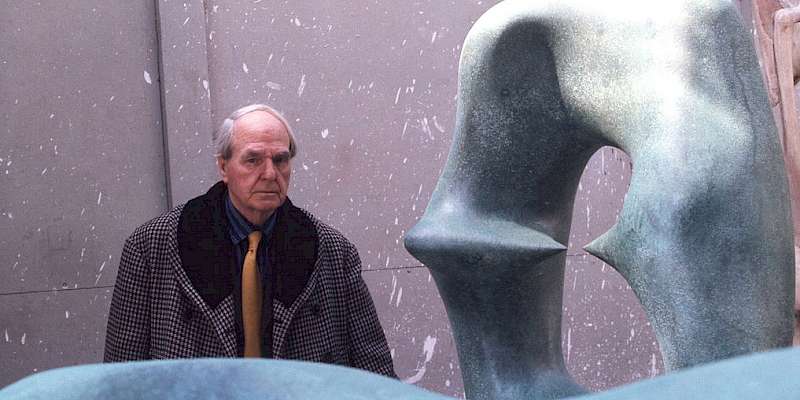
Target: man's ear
[(221, 165)]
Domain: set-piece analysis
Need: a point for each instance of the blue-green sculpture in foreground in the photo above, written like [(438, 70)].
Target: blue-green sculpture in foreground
[(770, 376), (704, 237)]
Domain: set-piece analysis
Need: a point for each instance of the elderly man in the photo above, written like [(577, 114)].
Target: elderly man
[(241, 271)]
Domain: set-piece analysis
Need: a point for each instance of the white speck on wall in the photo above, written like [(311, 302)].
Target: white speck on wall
[(447, 383), (205, 86), (438, 126), (296, 21), (186, 21), (52, 116), (274, 86), (426, 128), (146, 79), (99, 197), (396, 99), (305, 167), (66, 314), (653, 368), (575, 281), (399, 296), (302, 86), (6, 332), (22, 339), (588, 217), (428, 347), (569, 343), (44, 171), (324, 133), (394, 287), (433, 37), (103, 265), (245, 69)]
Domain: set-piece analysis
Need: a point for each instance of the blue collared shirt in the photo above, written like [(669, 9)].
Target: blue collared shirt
[(239, 228)]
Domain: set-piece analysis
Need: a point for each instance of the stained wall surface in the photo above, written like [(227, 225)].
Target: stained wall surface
[(105, 129), (81, 165)]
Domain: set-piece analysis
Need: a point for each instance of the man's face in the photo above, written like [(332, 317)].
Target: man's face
[(257, 174)]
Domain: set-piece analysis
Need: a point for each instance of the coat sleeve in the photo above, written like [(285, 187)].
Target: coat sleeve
[(127, 336), (368, 348)]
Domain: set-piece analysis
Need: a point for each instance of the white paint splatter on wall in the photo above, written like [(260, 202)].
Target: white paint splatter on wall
[(302, 86), (428, 347)]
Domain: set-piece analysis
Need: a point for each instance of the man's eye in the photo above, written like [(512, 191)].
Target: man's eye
[(251, 160), (280, 159)]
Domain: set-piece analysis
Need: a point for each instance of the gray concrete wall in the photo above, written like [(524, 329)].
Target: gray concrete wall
[(370, 89), (81, 165)]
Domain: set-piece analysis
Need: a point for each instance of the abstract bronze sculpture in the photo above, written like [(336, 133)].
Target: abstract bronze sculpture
[(704, 237)]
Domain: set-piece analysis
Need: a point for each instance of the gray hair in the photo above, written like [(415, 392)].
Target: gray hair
[(223, 137)]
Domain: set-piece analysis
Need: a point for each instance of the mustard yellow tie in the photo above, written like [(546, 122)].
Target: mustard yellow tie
[(252, 297)]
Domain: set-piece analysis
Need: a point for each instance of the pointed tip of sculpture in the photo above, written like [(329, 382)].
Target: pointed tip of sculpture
[(600, 247), (546, 243), (433, 239)]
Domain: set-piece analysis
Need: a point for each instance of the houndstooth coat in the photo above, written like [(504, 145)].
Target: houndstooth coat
[(176, 296)]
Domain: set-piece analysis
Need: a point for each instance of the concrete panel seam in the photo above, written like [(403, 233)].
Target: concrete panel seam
[(164, 134), (56, 290)]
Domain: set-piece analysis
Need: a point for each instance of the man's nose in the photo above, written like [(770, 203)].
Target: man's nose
[(269, 172)]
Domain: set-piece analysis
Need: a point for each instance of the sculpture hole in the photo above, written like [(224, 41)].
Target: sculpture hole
[(607, 340)]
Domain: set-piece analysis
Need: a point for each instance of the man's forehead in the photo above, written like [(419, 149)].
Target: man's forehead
[(259, 126), (259, 122)]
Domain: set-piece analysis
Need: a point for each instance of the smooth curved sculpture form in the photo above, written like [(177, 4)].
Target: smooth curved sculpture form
[(704, 237), (770, 376)]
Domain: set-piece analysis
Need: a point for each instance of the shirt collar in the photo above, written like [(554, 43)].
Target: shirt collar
[(239, 227)]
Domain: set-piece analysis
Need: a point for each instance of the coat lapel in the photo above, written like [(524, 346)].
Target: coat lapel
[(205, 261), (295, 265), (206, 251)]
